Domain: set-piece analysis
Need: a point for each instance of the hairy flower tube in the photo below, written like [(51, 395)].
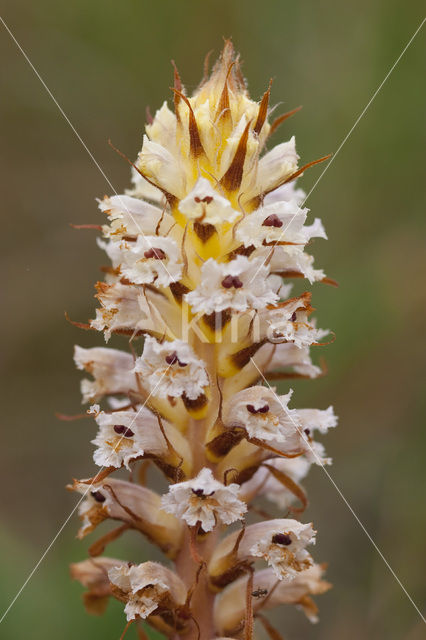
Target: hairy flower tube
[(204, 250)]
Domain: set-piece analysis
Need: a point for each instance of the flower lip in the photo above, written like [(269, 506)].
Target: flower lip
[(282, 538)]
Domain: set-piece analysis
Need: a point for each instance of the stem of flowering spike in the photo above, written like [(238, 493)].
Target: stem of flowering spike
[(187, 568)]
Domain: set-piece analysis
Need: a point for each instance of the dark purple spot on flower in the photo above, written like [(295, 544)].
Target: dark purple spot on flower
[(263, 409), (281, 538), (99, 497), (119, 428), (155, 253), (200, 493), (252, 409), (206, 199), (307, 431), (231, 281), (182, 364), (293, 317), (172, 358), (272, 221), (123, 430)]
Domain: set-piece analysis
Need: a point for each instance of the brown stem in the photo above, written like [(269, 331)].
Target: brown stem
[(186, 566)]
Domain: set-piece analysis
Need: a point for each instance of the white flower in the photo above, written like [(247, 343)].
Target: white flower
[(145, 586), (263, 483), (112, 371), (317, 420), (284, 550), (230, 604), (315, 453), (265, 416), (275, 282), (286, 192), (206, 205), (203, 499), (277, 165), (124, 436), (143, 189), (286, 324), (163, 127), (90, 509), (240, 284), (287, 356), (170, 368), (162, 167), (120, 309), (149, 259), (292, 259), (278, 222), (129, 216)]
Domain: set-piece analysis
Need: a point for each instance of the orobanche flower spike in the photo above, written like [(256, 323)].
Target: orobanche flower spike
[(204, 249)]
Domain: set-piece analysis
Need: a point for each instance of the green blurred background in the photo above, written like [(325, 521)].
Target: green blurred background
[(105, 62)]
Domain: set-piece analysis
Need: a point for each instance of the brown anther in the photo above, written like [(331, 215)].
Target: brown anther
[(272, 221), (155, 253), (282, 538), (293, 317)]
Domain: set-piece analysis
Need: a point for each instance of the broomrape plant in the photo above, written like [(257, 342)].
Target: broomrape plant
[(203, 249)]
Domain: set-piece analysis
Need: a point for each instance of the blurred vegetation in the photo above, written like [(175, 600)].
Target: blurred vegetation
[(105, 62)]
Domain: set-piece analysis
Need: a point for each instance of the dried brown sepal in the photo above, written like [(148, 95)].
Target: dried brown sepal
[(195, 145), (204, 231), (270, 630), (243, 357), (278, 121), (231, 180), (98, 547), (263, 110)]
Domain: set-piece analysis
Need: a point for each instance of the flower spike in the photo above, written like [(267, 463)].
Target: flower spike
[(203, 251)]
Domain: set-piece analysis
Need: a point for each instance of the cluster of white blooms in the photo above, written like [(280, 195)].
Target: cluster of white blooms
[(204, 250)]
